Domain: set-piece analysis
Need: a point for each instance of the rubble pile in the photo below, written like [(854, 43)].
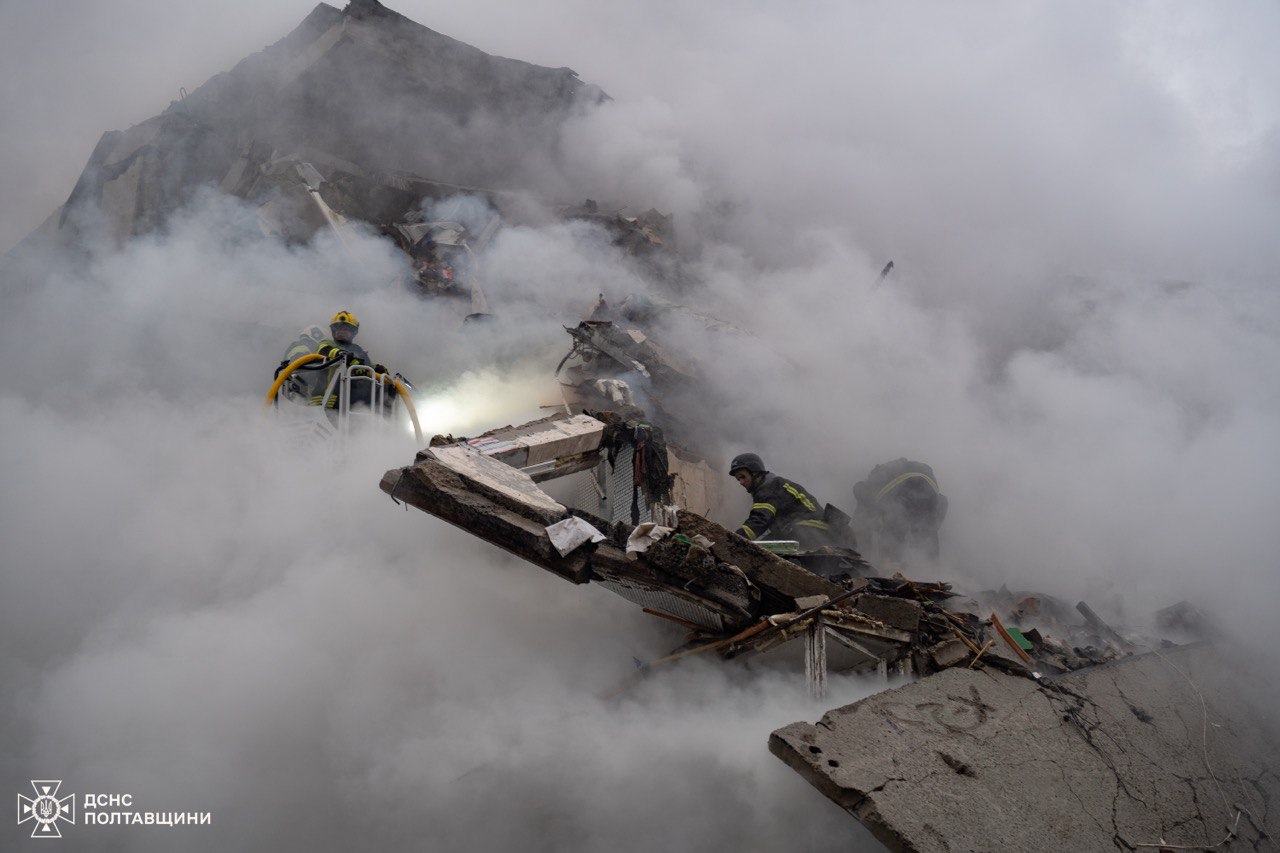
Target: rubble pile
[(648, 238), (1034, 726), (636, 235), (1018, 697), (488, 486), (737, 596), (617, 363)]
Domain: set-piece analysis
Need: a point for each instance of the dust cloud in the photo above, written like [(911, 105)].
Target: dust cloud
[(1079, 334)]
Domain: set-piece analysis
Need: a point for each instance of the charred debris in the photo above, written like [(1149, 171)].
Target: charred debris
[(630, 512), (1021, 722), (629, 520)]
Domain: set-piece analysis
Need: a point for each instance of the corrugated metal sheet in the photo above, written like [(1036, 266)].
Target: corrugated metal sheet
[(664, 602)]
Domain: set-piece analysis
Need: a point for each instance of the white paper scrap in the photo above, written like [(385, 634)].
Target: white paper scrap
[(643, 536), (572, 533)]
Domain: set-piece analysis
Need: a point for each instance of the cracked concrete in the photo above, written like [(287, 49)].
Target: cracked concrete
[(1158, 747)]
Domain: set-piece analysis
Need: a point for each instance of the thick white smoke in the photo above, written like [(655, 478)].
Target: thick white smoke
[(206, 617), (1079, 335)]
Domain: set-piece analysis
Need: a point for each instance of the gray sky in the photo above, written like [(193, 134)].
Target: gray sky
[(1080, 335)]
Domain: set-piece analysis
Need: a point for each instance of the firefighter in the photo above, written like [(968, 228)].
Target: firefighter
[(308, 342), (308, 384), (899, 511), (343, 329), (341, 344), (780, 508)]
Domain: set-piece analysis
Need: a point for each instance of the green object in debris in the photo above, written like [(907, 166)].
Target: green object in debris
[(685, 539), (779, 546), (1019, 639)]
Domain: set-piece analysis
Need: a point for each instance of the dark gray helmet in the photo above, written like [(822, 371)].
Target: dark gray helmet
[(749, 461)]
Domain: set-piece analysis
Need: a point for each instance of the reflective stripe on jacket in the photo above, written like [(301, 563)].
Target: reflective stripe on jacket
[(780, 509), (889, 476), (329, 349)]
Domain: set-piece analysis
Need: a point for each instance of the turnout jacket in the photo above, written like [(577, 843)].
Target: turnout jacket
[(901, 483), (784, 510), (899, 509), (304, 345), (308, 384), (329, 349)]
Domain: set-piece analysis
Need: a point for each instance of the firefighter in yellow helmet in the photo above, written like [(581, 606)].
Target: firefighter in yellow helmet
[(341, 341), (341, 344)]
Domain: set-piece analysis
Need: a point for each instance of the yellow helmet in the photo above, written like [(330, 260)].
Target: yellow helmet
[(345, 317)]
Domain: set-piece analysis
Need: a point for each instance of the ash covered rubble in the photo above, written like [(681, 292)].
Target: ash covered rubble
[(630, 535), (1024, 729), (1024, 723), (637, 503)]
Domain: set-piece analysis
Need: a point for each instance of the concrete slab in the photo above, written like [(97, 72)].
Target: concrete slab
[(1154, 748), (499, 477)]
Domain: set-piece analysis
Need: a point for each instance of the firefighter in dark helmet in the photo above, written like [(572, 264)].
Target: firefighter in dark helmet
[(780, 508), (900, 509)]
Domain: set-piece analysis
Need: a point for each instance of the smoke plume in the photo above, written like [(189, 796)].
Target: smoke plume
[(1079, 334)]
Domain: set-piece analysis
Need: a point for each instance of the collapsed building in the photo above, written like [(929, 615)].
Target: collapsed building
[(1011, 739), (1021, 725), (362, 118), (310, 98)]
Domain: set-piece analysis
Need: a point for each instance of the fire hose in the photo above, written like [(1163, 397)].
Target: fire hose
[(306, 359)]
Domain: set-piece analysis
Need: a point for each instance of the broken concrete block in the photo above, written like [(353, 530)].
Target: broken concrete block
[(541, 441), (807, 602), (948, 653), (895, 612), (498, 477)]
